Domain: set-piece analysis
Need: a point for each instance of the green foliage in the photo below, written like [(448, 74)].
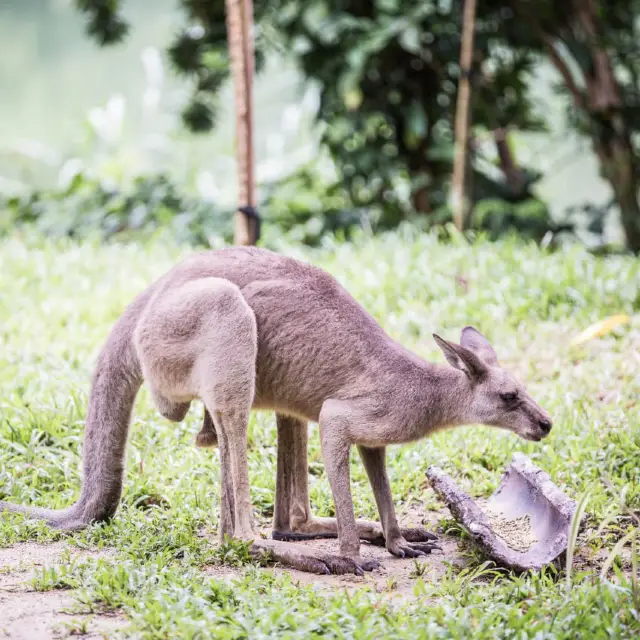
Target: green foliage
[(606, 28), (308, 205), (88, 206), (164, 573), (104, 23), (529, 218), (305, 207), (387, 73), (595, 48)]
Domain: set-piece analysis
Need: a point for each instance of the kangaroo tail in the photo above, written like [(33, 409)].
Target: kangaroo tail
[(116, 381), (59, 519)]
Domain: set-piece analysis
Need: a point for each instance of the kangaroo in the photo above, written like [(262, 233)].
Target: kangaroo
[(244, 328)]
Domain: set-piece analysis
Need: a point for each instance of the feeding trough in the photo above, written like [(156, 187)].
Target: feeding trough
[(524, 525)]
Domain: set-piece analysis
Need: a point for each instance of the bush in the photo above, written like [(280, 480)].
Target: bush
[(304, 207), (88, 206), (308, 205)]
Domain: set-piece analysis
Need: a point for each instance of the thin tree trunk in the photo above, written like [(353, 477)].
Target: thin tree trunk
[(240, 36), (618, 166), (612, 143), (601, 102), (630, 217), (460, 200), (514, 177)]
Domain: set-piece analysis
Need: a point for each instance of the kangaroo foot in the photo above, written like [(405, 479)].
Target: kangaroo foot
[(312, 560), (316, 528), (311, 528), (402, 548), (296, 536)]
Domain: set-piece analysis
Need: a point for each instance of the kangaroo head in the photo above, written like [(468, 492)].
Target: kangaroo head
[(492, 396)]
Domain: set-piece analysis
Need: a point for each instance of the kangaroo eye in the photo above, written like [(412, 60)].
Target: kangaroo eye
[(509, 397)]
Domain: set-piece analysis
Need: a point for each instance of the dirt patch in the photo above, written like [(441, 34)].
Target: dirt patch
[(397, 577), (33, 615)]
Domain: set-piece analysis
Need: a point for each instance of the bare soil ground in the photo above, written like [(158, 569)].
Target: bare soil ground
[(34, 615), (397, 577), (27, 614)]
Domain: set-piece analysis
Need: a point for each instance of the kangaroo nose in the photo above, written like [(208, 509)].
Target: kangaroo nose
[(545, 425)]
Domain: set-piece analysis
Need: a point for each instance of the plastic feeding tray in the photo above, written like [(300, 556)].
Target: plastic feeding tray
[(524, 525)]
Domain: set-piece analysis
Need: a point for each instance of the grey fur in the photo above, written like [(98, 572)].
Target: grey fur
[(243, 329)]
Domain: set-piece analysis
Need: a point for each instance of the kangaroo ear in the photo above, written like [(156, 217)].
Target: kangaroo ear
[(473, 340), (462, 358)]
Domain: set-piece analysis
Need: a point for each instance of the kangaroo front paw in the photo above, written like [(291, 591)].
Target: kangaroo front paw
[(403, 549), (206, 439), (364, 564), (413, 534), (417, 534)]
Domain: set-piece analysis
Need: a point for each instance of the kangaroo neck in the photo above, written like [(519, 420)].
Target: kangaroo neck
[(427, 396)]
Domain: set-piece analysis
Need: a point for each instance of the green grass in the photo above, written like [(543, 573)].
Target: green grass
[(57, 303)]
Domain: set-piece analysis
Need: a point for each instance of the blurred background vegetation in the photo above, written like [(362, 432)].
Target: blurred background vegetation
[(354, 108)]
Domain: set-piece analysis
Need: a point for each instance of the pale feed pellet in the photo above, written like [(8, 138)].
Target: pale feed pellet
[(516, 532)]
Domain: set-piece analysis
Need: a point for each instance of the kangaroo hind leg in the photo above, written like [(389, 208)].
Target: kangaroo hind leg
[(224, 376), (199, 340)]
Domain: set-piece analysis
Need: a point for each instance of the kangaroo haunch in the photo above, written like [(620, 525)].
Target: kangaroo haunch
[(243, 329)]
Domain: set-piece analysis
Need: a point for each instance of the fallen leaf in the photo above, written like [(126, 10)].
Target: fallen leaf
[(600, 329)]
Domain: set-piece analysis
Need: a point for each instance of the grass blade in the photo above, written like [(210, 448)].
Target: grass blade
[(605, 523), (615, 552), (573, 536)]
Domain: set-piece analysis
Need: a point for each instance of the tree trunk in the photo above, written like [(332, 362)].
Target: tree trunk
[(514, 177), (603, 91), (601, 102), (611, 138), (618, 166), (460, 200), (630, 215), (240, 37), (420, 200)]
